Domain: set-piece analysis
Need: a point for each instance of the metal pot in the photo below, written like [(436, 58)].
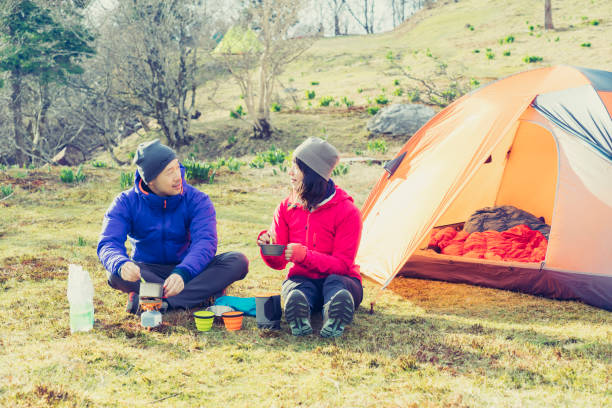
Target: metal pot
[(152, 290)]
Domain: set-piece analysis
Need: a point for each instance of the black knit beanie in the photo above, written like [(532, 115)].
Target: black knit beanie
[(151, 158)]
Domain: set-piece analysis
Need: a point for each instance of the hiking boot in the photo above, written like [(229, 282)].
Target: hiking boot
[(297, 313), (133, 303), (337, 313)]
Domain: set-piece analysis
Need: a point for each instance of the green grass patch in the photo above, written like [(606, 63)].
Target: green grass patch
[(530, 59)]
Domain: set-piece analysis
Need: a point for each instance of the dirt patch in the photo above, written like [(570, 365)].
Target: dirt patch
[(34, 269), (131, 328), (238, 141), (34, 181), (52, 396)]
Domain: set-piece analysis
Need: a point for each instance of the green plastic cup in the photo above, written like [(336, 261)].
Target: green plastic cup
[(203, 320)]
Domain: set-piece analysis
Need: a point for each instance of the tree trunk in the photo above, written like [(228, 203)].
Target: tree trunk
[(262, 129), (336, 24), (548, 22), (143, 122), (40, 120), (108, 146), (19, 131)]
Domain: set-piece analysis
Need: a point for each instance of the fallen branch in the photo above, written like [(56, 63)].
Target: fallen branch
[(165, 398), (8, 196)]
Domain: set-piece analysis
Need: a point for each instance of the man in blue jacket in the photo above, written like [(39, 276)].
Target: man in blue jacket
[(172, 229)]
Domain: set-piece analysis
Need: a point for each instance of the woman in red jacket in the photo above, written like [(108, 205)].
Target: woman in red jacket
[(321, 228)]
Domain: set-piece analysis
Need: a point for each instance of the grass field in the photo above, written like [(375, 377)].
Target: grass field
[(427, 344)]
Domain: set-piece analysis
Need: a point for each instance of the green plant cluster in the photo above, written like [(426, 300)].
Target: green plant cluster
[(373, 110), (347, 101), (126, 180), (98, 164), (310, 95), (378, 146), (326, 100), (274, 157), (6, 190), (276, 107), (381, 99), (258, 162), (237, 113), (200, 171), (67, 176), (413, 95), (340, 169), (232, 164), (532, 58)]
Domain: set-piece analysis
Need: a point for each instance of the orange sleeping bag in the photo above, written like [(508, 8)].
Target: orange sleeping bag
[(519, 244)]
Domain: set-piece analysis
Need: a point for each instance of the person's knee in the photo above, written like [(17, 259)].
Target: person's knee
[(334, 279), (239, 265), (116, 282)]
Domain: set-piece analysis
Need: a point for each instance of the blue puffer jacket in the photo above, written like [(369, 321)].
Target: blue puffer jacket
[(180, 230)]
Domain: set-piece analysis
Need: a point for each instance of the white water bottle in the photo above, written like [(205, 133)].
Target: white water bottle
[(80, 297)]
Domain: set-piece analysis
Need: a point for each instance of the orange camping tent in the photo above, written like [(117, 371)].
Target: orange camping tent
[(541, 141)]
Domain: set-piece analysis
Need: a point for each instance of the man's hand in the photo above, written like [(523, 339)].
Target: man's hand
[(265, 239), (173, 285), (130, 272), (295, 253)]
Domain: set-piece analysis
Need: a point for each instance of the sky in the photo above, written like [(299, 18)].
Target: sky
[(310, 17)]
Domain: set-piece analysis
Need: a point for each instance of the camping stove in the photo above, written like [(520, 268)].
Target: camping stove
[(150, 300)]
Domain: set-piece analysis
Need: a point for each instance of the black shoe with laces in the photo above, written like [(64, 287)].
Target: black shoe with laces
[(297, 313), (337, 313)]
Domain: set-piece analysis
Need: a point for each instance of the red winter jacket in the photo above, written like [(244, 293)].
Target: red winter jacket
[(331, 233)]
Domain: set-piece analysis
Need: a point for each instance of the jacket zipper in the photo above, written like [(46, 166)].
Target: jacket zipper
[(164, 231), (307, 229)]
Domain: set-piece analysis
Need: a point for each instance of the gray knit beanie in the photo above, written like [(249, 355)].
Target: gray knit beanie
[(318, 155), (151, 158)]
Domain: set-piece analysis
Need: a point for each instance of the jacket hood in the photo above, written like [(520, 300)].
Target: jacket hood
[(155, 201)]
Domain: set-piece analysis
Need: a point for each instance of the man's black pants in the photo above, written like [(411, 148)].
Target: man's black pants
[(222, 271)]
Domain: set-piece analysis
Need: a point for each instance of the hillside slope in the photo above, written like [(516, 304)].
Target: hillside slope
[(358, 67)]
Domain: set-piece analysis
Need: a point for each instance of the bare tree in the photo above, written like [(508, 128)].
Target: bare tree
[(336, 7), (398, 8), (258, 49), (102, 106), (363, 13), (158, 41), (438, 87), (548, 21)]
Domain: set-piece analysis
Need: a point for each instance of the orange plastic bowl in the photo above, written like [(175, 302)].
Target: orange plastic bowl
[(232, 320)]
